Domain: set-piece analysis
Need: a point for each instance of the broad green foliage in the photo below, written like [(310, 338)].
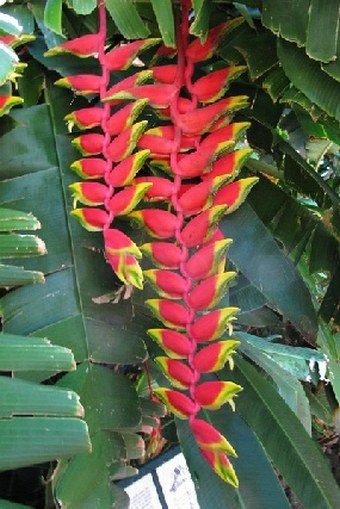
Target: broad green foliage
[(73, 343)]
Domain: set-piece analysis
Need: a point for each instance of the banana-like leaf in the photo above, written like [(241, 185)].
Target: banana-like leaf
[(52, 15), (284, 439), (303, 363), (26, 353), (127, 18), (83, 6), (200, 25), (287, 383), (165, 19), (30, 440), (303, 24), (16, 245), (19, 397), (93, 488), (17, 276), (257, 255), (66, 308), (259, 487), (17, 220), (325, 94)]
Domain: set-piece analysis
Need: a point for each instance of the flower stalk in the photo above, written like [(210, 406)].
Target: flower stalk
[(189, 165)]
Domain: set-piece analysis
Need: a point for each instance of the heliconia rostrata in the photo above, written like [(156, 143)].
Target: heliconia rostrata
[(189, 166)]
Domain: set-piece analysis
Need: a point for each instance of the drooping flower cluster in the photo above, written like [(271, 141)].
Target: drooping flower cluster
[(193, 164)]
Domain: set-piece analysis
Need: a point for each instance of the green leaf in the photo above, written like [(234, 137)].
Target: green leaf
[(17, 276), (298, 361), (52, 15), (21, 353), (8, 61), (117, 396), (313, 82), (125, 15), (290, 23), (85, 483), (256, 254), (18, 397), (9, 25), (259, 52), (259, 486), (22, 15), (200, 25), (13, 246), (165, 19), (276, 83), (302, 465), (65, 308), (326, 22), (288, 386), (83, 6), (17, 220), (30, 440)]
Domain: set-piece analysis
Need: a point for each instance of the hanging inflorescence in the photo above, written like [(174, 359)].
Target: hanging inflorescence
[(193, 161)]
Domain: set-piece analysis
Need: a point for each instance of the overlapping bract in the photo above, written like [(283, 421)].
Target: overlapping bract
[(108, 148), (193, 157)]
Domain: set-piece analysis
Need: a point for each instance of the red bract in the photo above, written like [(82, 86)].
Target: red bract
[(161, 189), (221, 465), (197, 51), (164, 73), (214, 356), (200, 228), (200, 120), (125, 201), (170, 313), (212, 395), (91, 219), (127, 83), (159, 96), (84, 46), (168, 284), (163, 254), (125, 117), (234, 194), (83, 84), (123, 144), (179, 373), (175, 344), (123, 173), (86, 118), (89, 168), (161, 224), (209, 438), (182, 406), (199, 196), (211, 87), (117, 243), (208, 293), (206, 261), (229, 165), (89, 144), (121, 57), (212, 325), (89, 193), (199, 162)]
